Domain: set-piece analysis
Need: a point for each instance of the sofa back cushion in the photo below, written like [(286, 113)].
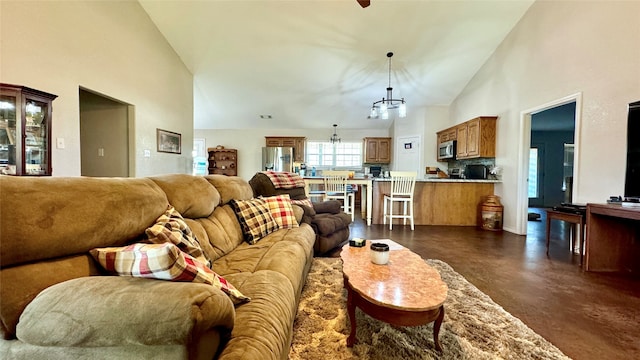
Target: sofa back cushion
[(192, 196), (230, 187), (49, 217), (221, 232), (201, 201)]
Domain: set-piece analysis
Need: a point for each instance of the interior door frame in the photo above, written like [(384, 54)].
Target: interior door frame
[(523, 151)]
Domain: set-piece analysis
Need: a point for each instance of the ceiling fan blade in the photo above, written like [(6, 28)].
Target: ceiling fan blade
[(364, 3)]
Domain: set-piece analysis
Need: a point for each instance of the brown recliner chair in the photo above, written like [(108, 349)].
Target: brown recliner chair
[(330, 224)]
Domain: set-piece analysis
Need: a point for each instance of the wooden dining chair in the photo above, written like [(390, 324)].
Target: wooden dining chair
[(336, 188), (403, 184)]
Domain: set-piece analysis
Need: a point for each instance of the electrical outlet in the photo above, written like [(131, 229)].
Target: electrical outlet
[(100, 151)]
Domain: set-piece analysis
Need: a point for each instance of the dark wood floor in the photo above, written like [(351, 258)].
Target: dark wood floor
[(586, 315)]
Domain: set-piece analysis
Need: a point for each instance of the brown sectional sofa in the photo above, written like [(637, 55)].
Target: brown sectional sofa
[(57, 303)]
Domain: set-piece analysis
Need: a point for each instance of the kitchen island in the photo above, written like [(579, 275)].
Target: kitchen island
[(438, 201)]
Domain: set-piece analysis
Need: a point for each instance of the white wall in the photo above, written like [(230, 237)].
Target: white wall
[(250, 142), (425, 123), (561, 48), (109, 47)]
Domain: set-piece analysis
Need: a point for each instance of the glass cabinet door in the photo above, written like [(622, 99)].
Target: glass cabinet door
[(8, 106), (36, 140)]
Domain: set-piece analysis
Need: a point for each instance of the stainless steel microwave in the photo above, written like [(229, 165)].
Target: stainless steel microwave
[(447, 150)]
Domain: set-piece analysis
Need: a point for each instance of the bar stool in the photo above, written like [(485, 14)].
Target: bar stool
[(335, 187), (403, 184)]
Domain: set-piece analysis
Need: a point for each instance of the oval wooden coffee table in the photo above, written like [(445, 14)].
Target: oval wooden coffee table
[(404, 292)]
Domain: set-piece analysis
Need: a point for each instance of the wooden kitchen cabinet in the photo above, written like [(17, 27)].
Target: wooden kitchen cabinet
[(476, 138), (377, 150), (447, 135), (223, 161), (297, 143)]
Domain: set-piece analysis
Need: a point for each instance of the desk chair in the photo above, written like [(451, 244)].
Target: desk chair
[(403, 184), (336, 188)]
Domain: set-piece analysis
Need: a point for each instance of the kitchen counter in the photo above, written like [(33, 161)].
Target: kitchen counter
[(437, 201), (446, 180)]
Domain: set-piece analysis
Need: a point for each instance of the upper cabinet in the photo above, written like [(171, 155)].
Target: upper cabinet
[(25, 130), (297, 143), (377, 150), (477, 138), (447, 135)]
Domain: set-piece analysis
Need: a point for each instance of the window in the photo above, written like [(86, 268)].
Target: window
[(324, 154), (533, 173)]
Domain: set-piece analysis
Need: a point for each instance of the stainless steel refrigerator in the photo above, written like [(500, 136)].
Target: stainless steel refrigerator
[(277, 159)]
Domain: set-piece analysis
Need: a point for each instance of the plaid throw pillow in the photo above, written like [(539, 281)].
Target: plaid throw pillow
[(255, 219), (305, 202), (171, 227), (281, 211), (163, 262)]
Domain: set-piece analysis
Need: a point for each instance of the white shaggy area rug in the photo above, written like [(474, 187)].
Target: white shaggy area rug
[(474, 326)]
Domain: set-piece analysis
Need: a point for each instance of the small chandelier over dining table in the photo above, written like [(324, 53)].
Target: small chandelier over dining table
[(380, 108), (334, 138)]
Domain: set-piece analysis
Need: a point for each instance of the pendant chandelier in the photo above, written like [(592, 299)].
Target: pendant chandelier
[(380, 108), (334, 138)]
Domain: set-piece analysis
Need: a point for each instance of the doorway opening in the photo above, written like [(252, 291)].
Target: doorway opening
[(549, 150), (105, 136)]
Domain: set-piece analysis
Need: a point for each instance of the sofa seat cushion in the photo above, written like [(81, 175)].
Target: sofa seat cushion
[(271, 249), (264, 325), (123, 311)]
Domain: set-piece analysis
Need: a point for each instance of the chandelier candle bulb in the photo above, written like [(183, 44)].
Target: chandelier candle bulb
[(379, 253)]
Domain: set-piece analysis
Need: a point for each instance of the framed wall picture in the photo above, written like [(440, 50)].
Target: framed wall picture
[(169, 142)]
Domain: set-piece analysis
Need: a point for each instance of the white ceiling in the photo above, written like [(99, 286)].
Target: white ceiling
[(310, 64)]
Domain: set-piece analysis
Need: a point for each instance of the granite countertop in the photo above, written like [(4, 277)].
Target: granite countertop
[(423, 179), (447, 180)]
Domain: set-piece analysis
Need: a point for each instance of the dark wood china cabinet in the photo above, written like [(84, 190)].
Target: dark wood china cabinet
[(25, 131)]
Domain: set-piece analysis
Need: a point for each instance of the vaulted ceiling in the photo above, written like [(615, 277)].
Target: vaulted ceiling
[(310, 64)]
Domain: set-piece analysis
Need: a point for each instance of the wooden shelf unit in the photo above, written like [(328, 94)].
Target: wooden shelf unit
[(223, 161)]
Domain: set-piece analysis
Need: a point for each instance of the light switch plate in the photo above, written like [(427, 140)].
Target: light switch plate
[(60, 143), (147, 153)]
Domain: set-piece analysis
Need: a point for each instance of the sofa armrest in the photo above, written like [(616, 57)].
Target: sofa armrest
[(112, 310)]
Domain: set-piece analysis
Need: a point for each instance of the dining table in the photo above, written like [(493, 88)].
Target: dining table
[(366, 198)]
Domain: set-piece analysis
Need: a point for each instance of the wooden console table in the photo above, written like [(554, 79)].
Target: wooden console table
[(613, 239), (577, 222)]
